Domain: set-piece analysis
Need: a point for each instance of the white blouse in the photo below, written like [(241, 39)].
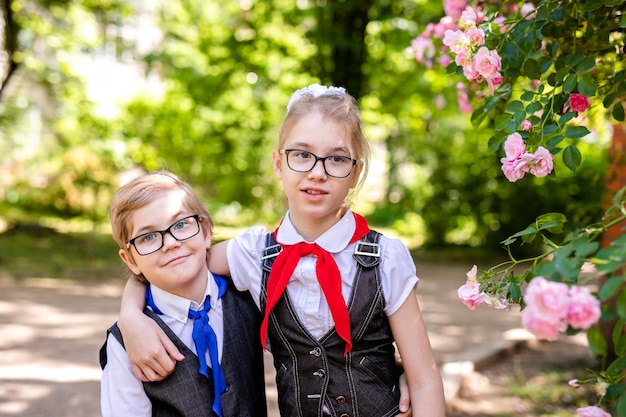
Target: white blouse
[(397, 270)]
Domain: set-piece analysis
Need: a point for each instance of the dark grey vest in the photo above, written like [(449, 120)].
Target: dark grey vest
[(187, 393), (312, 374)]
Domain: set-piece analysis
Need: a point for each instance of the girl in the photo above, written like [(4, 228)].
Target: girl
[(335, 295)]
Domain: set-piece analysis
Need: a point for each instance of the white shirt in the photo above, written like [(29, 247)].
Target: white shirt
[(121, 393), (397, 270)]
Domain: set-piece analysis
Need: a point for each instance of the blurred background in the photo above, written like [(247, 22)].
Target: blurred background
[(94, 92)]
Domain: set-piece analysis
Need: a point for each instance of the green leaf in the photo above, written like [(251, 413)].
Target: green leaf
[(549, 129), (566, 118), (478, 115), (576, 132), (597, 344), (572, 157), (527, 96), (610, 288), (555, 140), (530, 232), (587, 86), (608, 100), (618, 330), (515, 292), (591, 5), (573, 59), (587, 64), (515, 106), (618, 111), (495, 142), (501, 121), (533, 107), (585, 248), (570, 83), (620, 305), (619, 364), (620, 349), (621, 405), (532, 70), (553, 222), (491, 103)]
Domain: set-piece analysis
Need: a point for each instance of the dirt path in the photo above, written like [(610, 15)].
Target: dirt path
[(51, 331)]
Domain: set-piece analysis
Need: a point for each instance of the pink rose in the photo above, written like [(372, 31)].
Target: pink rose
[(548, 298), (546, 308), (592, 411), (514, 146), (457, 41), (468, 18), (542, 329), (463, 101), (578, 102), (470, 294), (527, 125), (487, 62), (515, 169), (454, 8), (444, 60), (528, 11), (583, 309), (542, 163), (446, 23), (423, 50), (476, 36)]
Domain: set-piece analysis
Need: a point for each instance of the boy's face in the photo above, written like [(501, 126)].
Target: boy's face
[(178, 267)]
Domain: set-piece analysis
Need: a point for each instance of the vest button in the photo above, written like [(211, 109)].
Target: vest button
[(341, 399), (320, 372), (316, 351)]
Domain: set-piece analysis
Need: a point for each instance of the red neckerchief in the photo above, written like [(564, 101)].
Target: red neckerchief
[(328, 276)]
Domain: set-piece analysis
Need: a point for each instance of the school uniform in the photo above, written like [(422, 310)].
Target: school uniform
[(235, 320), (313, 376)]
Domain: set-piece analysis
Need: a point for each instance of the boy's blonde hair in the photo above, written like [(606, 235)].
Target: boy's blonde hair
[(143, 190), (335, 104)]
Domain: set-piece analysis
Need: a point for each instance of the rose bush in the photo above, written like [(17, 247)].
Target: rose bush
[(543, 75)]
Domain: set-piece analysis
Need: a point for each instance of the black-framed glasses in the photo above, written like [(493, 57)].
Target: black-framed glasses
[(337, 166), (183, 229)]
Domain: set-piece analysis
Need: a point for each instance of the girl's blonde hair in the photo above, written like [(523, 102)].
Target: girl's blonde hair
[(143, 190), (336, 104)]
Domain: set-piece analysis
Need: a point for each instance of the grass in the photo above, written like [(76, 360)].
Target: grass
[(45, 253), (547, 391)]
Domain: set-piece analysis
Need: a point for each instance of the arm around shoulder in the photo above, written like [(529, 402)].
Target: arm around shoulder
[(151, 353)]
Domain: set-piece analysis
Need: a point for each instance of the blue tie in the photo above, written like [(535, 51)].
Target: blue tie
[(204, 338)]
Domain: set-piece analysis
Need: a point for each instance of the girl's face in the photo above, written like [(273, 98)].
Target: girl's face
[(178, 267), (315, 199)]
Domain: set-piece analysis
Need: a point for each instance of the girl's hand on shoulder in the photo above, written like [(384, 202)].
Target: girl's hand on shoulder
[(151, 353), (405, 398)]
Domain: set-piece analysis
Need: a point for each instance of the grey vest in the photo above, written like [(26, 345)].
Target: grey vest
[(186, 393), (312, 374)]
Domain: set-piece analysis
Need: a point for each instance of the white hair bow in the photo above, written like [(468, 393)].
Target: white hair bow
[(314, 90)]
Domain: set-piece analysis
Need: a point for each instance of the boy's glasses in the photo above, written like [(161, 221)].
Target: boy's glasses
[(150, 242), (337, 166)]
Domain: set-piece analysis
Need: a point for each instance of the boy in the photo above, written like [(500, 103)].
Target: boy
[(164, 233)]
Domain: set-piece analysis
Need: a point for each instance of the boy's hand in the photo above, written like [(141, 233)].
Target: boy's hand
[(405, 398), (151, 353)]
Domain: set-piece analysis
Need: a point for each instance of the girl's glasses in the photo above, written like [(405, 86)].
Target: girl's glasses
[(337, 166)]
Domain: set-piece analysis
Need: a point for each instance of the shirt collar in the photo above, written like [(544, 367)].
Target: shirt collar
[(334, 240), (178, 307)]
